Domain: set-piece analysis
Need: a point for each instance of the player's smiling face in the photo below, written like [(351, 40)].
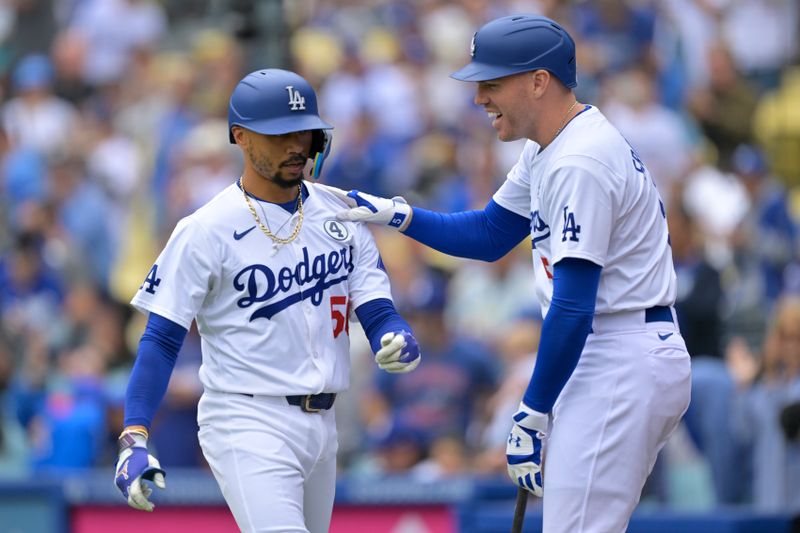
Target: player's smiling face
[(280, 159), (508, 103)]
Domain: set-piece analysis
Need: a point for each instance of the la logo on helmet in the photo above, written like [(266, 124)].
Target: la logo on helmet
[(472, 45), (296, 100)]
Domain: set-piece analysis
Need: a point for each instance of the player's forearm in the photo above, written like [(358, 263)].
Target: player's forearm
[(379, 317), (486, 235), (564, 331), (158, 350)]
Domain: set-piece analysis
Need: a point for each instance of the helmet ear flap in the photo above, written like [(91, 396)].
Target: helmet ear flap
[(320, 148)]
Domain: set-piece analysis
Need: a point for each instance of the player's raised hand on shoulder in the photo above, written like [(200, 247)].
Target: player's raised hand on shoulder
[(399, 352), (393, 212), (134, 466), (524, 448)]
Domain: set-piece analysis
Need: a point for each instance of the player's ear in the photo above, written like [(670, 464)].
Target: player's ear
[(239, 135), (540, 80)]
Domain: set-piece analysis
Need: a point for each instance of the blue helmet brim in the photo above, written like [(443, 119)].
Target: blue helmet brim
[(483, 72), (281, 125), (475, 71)]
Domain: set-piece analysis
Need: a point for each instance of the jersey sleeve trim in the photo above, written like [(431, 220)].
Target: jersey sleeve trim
[(579, 254), (147, 309), (509, 207), (372, 296)]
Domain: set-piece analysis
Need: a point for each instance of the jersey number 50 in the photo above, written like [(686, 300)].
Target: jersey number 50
[(340, 314)]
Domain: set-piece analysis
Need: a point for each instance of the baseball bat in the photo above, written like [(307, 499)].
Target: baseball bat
[(519, 510)]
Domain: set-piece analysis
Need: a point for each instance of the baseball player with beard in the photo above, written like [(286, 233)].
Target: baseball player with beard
[(611, 380), (270, 276)]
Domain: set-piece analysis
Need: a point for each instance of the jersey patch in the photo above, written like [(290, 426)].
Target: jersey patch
[(309, 279), (570, 227), (151, 281), (336, 230)]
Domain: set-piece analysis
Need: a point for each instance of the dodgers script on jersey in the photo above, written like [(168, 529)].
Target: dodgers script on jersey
[(273, 322), (589, 196)]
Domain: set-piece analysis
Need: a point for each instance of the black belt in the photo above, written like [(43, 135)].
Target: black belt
[(310, 403), (659, 313), (313, 403)]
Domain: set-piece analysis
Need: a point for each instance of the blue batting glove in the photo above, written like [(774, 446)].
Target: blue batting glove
[(399, 354), (134, 466), (524, 448), (392, 212)]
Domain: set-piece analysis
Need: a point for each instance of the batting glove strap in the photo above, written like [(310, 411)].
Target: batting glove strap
[(134, 466), (399, 352), (392, 212), (531, 419)]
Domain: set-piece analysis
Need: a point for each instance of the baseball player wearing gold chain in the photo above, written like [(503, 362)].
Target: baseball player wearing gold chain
[(611, 380), (270, 277)]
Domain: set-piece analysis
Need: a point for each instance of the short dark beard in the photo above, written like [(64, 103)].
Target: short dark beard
[(266, 171), (284, 183)]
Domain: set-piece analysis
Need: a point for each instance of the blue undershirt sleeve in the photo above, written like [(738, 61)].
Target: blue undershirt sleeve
[(487, 235), (564, 330), (155, 359), (379, 317)]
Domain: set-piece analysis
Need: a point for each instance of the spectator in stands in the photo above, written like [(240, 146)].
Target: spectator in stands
[(768, 234), (30, 292), (83, 215), (114, 30), (68, 428), (776, 460), (762, 36), (35, 118), (724, 109)]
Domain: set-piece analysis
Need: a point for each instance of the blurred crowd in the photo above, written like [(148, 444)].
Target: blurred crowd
[(113, 116)]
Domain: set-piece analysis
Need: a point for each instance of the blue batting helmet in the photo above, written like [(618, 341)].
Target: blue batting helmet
[(520, 43), (274, 102)]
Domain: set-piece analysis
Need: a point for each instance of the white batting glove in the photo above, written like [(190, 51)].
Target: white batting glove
[(524, 449), (134, 466), (400, 353), (394, 213)]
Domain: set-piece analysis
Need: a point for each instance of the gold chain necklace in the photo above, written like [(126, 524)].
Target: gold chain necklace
[(265, 229), (566, 116)]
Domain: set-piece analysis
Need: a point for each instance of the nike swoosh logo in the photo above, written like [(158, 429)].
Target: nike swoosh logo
[(665, 336), (239, 236)]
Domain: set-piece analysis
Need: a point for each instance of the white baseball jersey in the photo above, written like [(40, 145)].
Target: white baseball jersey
[(272, 322), (589, 196)]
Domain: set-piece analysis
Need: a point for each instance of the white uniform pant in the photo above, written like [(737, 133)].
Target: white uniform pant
[(626, 396), (275, 464)]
